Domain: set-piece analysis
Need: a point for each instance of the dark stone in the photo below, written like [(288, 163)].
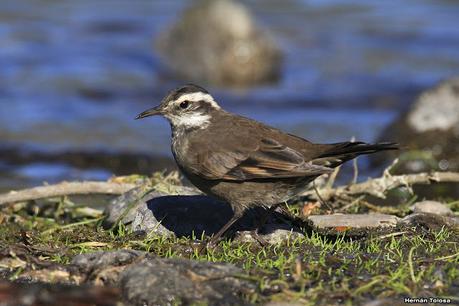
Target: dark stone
[(148, 280)]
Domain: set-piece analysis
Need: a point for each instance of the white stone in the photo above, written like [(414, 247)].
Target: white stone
[(431, 207)]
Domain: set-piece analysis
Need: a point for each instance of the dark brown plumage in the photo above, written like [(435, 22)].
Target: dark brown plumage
[(242, 161)]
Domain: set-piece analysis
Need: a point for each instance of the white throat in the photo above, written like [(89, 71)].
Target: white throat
[(191, 120)]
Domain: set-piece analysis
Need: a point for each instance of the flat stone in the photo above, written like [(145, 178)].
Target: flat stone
[(432, 207), (349, 223)]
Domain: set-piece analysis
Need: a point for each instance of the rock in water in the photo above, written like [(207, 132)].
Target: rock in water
[(429, 131), (218, 42), (436, 109)]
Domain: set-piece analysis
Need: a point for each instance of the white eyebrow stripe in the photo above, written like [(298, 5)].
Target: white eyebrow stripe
[(198, 96)]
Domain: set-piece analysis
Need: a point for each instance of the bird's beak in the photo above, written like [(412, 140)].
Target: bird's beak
[(150, 112)]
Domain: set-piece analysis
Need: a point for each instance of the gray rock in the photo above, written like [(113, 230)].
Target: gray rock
[(157, 281), (124, 208), (430, 129), (218, 42), (432, 207)]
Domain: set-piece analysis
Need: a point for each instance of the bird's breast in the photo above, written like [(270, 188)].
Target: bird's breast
[(180, 147)]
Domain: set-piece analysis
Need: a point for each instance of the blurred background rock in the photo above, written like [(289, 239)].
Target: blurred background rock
[(218, 42), (73, 75), (428, 131)]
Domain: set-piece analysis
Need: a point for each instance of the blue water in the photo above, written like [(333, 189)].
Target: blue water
[(73, 74)]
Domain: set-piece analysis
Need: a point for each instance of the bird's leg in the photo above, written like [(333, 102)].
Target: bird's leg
[(261, 222), (286, 212), (321, 200), (269, 212), (295, 220), (215, 238)]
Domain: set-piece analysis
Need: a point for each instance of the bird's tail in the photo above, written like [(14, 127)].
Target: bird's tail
[(338, 153)]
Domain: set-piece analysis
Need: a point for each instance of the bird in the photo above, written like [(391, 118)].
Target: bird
[(242, 161)]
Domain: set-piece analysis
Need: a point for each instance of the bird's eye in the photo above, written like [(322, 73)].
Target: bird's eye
[(184, 104)]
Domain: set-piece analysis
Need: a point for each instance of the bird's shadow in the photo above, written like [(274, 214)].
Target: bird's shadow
[(199, 214)]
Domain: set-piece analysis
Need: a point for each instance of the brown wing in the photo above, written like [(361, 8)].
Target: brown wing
[(264, 160)]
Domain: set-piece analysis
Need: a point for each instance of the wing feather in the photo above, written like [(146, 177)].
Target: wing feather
[(266, 160)]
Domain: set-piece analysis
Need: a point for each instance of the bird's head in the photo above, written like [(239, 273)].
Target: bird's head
[(187, 106)]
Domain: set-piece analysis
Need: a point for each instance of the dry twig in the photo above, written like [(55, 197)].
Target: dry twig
[(64, 189), (379, 186)]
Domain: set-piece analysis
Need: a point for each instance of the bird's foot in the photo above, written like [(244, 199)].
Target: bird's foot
[(255, 235), (208, 244), (203, 247)]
